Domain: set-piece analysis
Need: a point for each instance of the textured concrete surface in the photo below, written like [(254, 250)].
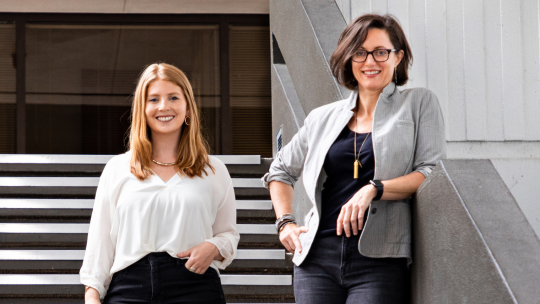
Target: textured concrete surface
[(288, 114), (307, 33), (284, 78), (522, 177), (282, 116), (492, 149), (472, 243)]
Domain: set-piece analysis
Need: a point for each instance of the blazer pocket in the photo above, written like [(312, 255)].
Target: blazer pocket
[(405, 122), (398, 223), (400, 145)]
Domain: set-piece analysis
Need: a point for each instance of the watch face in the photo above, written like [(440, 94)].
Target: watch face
[(375, 183)]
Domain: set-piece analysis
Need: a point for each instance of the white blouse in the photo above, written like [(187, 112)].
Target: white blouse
[(133, 218)]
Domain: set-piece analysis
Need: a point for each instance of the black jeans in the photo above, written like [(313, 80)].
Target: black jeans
[(160, 278), (335, 272)]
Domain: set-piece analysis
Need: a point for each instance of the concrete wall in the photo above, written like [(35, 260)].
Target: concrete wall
[(472, 243), (137, 6), (522, 177)]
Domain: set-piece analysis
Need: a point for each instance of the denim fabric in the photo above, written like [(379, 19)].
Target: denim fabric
[(160, 278), (335, 272)]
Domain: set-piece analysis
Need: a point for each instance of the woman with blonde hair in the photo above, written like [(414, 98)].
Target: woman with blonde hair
[(164, 218)]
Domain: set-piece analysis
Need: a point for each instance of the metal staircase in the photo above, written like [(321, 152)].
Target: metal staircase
[(45, 207)]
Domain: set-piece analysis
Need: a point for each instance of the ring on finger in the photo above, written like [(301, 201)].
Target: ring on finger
[(192, 269)]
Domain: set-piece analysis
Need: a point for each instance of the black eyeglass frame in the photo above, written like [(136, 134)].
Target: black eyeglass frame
[(372, 55)]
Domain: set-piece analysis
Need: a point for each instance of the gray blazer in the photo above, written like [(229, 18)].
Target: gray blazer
[(408, 135)]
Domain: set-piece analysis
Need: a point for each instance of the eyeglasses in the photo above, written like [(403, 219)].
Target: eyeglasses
[(379, 55)]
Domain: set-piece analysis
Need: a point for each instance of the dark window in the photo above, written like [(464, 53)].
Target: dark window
[(80, 78), (66, 80), (7, 88), (250, 90)]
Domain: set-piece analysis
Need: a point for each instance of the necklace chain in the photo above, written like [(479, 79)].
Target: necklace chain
[(163, 164), (357, 157)]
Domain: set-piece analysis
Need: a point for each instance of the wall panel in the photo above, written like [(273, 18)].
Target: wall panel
[(512, 70), (400, 9), (436, 53), (360, 7), (457, 124), (531, 64), (417, 41), (473, 69), (493, 71)]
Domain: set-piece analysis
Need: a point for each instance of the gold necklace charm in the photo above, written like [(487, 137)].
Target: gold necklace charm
[(163, 164), (356, 164)]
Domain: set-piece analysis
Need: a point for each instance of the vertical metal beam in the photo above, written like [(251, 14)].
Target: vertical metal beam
[(226, 115), (21, 85)]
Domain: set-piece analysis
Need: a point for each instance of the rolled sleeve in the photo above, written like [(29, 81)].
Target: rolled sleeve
[(226, 236), (289, 162), (430, 140)]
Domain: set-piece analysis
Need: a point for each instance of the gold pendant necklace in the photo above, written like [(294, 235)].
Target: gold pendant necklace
[(357, 162), (163, 164)]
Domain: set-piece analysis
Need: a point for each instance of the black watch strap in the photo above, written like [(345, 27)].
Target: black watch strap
[(380, 188)]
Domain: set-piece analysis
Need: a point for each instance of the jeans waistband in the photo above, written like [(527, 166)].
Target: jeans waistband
[(160, 257)]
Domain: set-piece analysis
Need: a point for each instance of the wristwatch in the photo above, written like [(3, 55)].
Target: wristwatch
[(380, 188)]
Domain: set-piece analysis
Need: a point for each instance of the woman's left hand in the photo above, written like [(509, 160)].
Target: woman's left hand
[(351, 216), (200, 257)]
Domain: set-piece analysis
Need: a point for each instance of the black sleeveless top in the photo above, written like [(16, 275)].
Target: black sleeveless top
[(340, 184)]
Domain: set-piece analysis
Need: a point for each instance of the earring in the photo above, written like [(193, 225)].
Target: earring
[(395, 75), (185, 120)]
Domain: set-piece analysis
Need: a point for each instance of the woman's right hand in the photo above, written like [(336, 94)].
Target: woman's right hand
[(91, 296), (289, 237)]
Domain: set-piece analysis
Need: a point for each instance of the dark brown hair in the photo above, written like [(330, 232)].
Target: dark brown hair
[(354, 36)]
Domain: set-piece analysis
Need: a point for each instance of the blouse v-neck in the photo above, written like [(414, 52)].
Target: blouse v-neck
[(161, 180)]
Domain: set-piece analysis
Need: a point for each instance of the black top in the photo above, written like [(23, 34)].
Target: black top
[(340, 185)]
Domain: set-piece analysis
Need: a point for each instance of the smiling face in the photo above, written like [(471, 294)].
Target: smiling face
[(165, 107), (370, 74)]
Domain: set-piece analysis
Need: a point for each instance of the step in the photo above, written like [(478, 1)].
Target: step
[(65, 284), (19, 234), (77, 159), (72, 259), (87, 186), (39, 181), (92, 165), (82, 208), (27, 204), (51, 300), (17, 228)]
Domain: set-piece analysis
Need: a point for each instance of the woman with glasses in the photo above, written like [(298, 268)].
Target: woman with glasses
[(361, 159), (164, 217)]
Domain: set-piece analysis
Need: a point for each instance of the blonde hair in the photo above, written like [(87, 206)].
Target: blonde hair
[(192, 153)]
